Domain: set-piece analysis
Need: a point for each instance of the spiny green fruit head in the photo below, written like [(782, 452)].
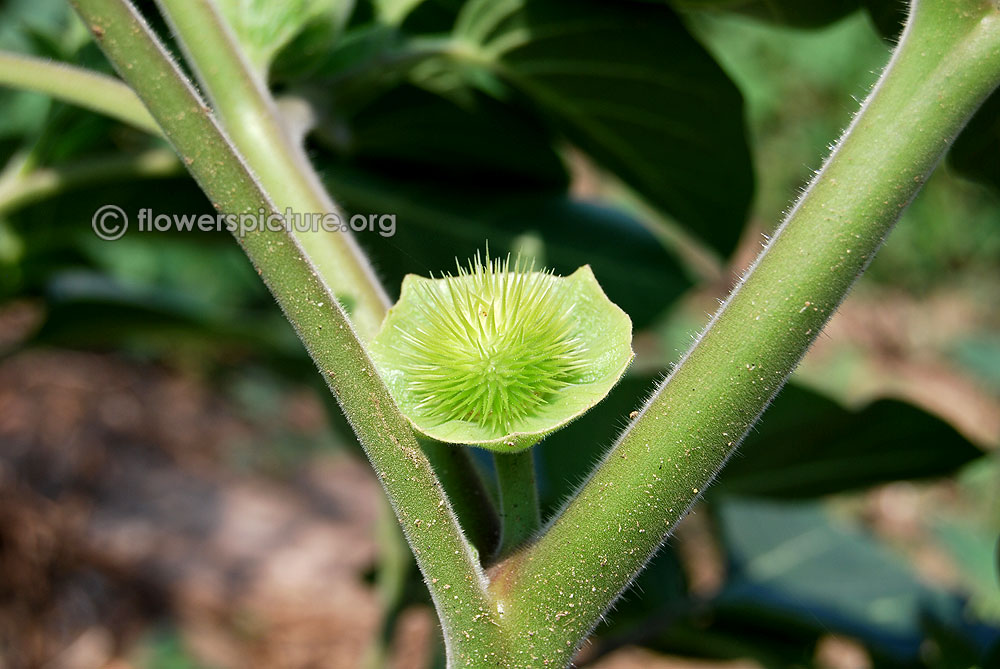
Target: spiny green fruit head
[(500, 355)]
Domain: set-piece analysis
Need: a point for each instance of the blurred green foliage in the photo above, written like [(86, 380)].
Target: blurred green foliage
[(164, 649)]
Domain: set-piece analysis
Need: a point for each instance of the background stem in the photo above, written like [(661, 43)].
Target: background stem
[(250, 117), (520, 516), (91, 90), (556, 591), (20, 190), (395, 562)]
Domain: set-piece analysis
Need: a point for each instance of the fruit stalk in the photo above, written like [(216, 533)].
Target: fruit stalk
[(519, 513)]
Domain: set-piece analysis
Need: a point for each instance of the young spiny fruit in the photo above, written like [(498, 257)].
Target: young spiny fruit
[(497, 343), (500, 355)]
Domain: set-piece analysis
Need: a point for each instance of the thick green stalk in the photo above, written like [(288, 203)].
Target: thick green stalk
[(92, 90), (519, 512), (457, 584), (251, 119), (555, 591)]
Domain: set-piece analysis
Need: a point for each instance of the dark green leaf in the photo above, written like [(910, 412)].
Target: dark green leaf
[(720, 635), (979, 355), (38, 27), (565, 458), (22, 20), (992, 658), (950, 648), (628, 84), (806, 446), (436, 224), (265, 28), (363, 53), (792, 564), (21, 113), (656, 599), (411, 131), (975, 152), (976, 551), (433, 16), (888, 16), (808, 14), (85, 309)]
